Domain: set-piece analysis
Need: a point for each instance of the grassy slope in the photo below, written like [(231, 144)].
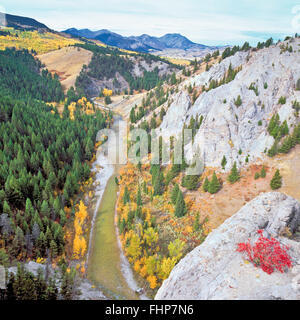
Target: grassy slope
[(67, 63)]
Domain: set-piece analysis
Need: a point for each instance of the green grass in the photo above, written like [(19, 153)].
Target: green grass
[(104, 266)]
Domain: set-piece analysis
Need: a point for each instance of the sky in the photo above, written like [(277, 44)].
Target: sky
[(210, 22)]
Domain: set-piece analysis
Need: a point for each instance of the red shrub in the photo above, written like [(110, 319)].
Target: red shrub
[(267, 253)]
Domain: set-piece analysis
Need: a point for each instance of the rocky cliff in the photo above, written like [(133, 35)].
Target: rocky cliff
[(228, 128), (215, 270)]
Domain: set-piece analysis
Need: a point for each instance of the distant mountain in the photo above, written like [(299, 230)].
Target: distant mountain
[(177, 41), (143, 43), (18, 22)]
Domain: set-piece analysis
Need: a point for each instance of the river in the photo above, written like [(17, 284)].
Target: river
[(107, 266)]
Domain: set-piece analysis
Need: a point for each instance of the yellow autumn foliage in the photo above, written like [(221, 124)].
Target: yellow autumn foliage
[(134, 250), (79, 247), (107, 92), (33, 40), (167, 266), (152, 282), (79, 243)]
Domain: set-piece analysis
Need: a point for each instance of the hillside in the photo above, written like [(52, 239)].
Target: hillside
[(121, 71), (44, 161), (229, 127), (241, 107), (34, 41), (67, 63), (22, 23)]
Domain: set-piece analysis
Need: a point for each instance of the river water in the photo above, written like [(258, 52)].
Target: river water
[(105, 168)]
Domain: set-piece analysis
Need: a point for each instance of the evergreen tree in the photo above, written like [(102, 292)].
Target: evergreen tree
[(214, 185), (132, 116), (196, 225), (180, 208), (126, 197), (190, 182), (238, 102), (145, 189), (276, 181), (234, 175), (263, 172), (174, 193), (107, 100), (158, 184), (139, 197), (224, 162), (206, 185)]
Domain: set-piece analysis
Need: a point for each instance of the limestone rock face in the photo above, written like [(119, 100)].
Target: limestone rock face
[(176, 115), (226, 128), (215, 270)]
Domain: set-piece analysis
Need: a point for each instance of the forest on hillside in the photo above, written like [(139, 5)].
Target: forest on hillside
[(43, 160), (107, 62)]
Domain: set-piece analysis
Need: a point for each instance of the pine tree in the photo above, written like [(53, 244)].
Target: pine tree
[(214, 185), (298, 85), (263, 172), (196, 225), (190, 182), (158, 184), (238, 102), (180, 208), (224, 162), (206, 185), (139, 197), (132, 116), (126, 197), (175, 193), (257, 175), (276, 181), (234, 175)]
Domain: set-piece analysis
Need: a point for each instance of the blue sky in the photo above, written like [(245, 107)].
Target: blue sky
[(212, 22)]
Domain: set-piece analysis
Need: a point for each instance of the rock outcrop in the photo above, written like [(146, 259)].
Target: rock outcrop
[(227, 128), (215, 270)]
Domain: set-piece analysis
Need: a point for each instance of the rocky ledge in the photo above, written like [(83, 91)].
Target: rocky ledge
[(215, 270)]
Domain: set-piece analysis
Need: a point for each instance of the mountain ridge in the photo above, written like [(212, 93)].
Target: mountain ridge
[(20, 22), (144, 42)]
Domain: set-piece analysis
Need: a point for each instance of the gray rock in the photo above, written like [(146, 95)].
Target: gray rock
[(227, 128), (215, 270)]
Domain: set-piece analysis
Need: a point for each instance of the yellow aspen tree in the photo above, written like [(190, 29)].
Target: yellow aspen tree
[(176, 249), (151, 265), (134, 250), (152, 282), (167, 266)]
